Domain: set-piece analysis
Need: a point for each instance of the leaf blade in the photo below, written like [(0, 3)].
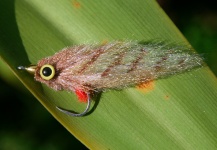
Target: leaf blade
[(148, 118)]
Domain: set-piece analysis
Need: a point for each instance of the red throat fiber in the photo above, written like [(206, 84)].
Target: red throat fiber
[(82, 96)]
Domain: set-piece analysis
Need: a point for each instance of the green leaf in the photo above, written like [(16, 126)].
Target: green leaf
[(178, 112)]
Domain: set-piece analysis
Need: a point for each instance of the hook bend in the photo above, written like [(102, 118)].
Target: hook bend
[(74, 114)]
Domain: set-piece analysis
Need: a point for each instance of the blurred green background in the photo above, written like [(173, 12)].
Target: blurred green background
[(32, 127)]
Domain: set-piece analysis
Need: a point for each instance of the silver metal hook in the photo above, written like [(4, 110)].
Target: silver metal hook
[(70, 113)]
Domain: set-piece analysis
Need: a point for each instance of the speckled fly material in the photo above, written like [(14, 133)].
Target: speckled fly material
[(115, 65)]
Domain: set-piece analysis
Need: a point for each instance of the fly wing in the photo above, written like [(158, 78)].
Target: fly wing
[(122, 64)]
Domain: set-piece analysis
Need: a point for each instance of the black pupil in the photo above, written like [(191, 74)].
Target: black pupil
[(46, 71)]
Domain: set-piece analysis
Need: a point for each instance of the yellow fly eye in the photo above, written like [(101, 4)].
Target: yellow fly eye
[(47, 72)]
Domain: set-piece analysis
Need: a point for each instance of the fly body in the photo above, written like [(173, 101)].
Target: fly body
[(119, 64)]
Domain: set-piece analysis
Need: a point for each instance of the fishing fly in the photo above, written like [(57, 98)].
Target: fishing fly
[(84, 69)]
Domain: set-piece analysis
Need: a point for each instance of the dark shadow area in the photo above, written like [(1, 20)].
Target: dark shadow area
[(10, 37)]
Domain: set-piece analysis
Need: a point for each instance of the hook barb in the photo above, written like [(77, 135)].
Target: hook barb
[(74, 114)]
